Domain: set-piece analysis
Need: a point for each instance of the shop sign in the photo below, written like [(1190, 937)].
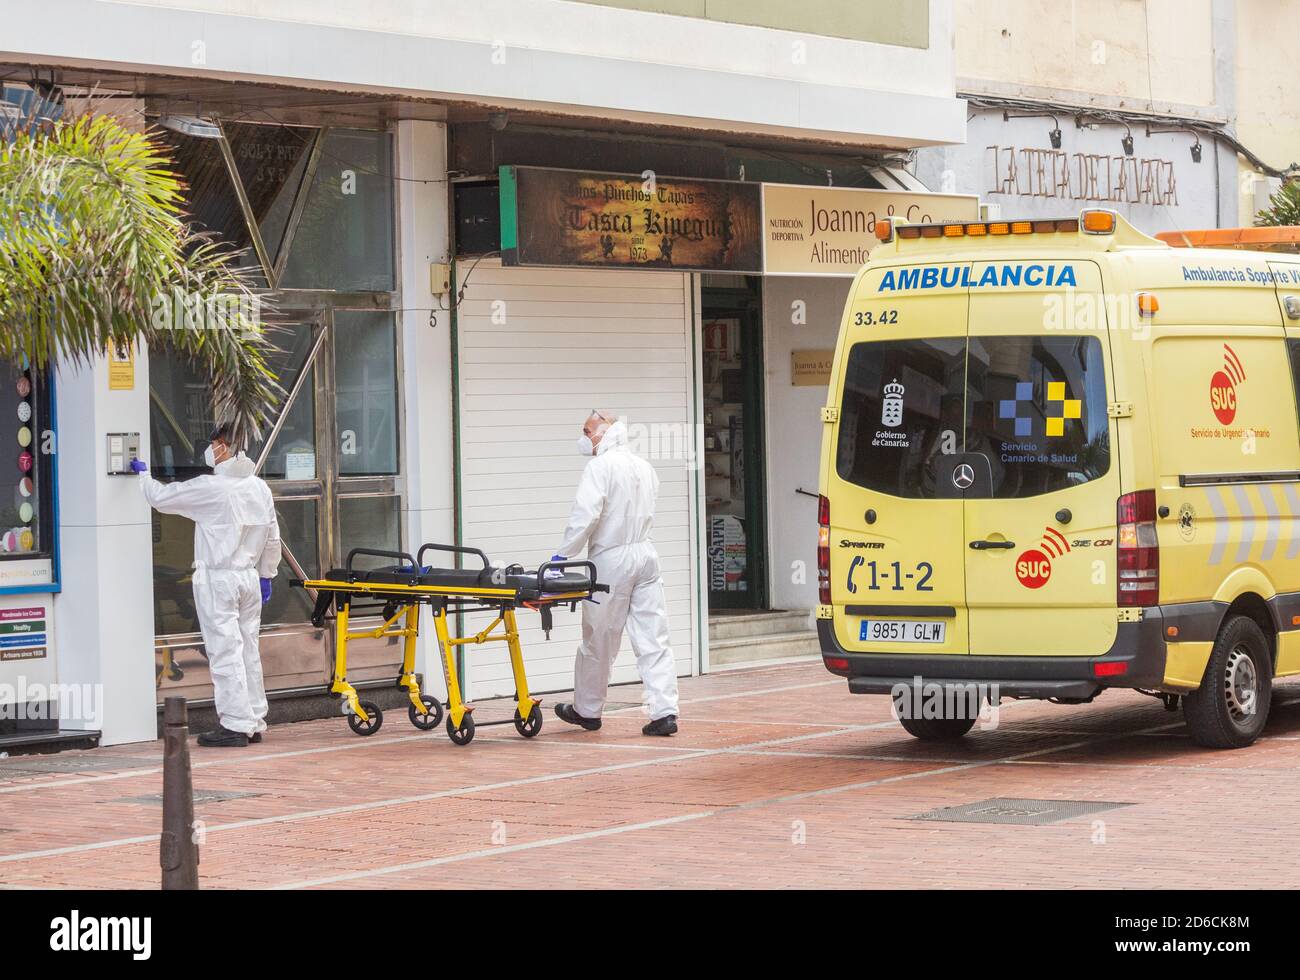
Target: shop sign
[(1101, 178), (23, 633), (576, 218), (830, 231), (811, 367)]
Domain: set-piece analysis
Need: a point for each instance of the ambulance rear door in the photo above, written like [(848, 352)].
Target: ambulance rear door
[(1040, 519)]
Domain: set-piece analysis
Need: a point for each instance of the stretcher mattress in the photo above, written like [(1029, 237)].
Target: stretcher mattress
[(520, 580)]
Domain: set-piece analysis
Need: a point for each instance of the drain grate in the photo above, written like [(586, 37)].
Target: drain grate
[(1018, 811), (201, 796), (20, 764)]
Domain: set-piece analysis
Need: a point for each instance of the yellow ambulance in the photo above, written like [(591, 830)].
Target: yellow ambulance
[(1059, 457)]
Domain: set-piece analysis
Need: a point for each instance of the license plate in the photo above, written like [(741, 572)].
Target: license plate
[(903, 630)]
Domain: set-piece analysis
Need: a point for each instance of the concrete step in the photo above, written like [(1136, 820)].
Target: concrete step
[(736, 625), (770, 646)]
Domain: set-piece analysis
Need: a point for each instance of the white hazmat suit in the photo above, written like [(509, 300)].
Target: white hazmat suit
[(236, 542), (613, 516)]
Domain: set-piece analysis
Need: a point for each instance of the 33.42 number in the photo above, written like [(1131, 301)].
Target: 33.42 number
[(869, 318)]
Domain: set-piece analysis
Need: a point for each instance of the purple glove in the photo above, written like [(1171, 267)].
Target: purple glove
[(266, 590), (139, 466)]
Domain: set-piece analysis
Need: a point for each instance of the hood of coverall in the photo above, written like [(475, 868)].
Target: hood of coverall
[(615, 436), (249, 506)]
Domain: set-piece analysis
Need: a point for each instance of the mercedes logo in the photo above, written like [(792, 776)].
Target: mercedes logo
[(963, 476)]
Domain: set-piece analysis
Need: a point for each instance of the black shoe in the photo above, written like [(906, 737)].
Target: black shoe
[(222, 737), (255, 738), (667, 725), (565, 712)]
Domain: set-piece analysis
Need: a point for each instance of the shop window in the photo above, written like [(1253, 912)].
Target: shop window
[(211, 200), (365, 381), (369, 522), (26, 471), (299, 518), (344, 239), (270, 161), (293, 454)]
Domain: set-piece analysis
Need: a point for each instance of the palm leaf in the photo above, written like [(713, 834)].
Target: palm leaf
[(95, 251)]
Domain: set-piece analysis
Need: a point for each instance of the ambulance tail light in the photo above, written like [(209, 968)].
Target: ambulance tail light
[(1138, 550), (823, 550)]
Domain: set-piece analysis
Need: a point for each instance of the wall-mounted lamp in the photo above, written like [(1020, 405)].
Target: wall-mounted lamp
[(1196, 151), (196, 126), (1127, 142)]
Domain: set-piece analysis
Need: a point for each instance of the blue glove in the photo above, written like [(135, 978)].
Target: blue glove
[(558, 558), (266, 590), (139, 466)]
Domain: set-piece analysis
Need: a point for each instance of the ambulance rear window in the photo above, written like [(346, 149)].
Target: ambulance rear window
[(901, 410), (1036, 408)]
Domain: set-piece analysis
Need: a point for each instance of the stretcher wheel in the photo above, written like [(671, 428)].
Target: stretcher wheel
[(426, 722), (530, 726), (370, 726), (465, 733)]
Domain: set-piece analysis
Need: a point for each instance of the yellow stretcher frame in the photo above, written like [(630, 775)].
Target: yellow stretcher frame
[(404, 600)]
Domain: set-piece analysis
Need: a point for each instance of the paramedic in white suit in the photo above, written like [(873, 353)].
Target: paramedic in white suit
[(613, 517), (236, 555)]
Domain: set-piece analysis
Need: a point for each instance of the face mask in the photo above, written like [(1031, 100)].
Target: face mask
[(585, 447), (210, 458)]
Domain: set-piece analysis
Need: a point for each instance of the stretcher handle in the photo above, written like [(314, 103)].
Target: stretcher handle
[(454, 548), (561, 565), (378, 553)]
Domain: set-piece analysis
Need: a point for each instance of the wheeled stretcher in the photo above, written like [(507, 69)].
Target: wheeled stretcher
[(397, 591)]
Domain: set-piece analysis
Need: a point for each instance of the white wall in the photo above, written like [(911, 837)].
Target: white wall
[(423, 228), (794, 429), (104, 615)]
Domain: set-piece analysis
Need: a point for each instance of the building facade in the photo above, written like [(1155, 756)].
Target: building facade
[(474, 222), (1125, 104)]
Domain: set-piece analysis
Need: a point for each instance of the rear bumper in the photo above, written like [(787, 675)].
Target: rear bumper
[(1136, 659)]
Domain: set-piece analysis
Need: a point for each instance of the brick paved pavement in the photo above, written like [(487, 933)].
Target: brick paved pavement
[(779, 777)]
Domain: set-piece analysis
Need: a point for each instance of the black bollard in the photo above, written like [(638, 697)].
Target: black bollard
[(178, 851)]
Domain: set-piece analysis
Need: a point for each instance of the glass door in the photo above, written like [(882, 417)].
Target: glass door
[(732, 365)]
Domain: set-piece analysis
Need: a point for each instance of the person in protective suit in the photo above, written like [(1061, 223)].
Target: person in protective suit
[(612, 517), (236, 555)]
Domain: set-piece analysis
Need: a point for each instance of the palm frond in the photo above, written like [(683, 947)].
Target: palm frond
[(95, 251)]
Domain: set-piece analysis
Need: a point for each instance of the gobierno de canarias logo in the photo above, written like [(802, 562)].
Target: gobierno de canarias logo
[(1034, 567), (1223, 387)]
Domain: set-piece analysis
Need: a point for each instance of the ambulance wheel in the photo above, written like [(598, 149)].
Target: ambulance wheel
[(465, 733), (371, 724), (530, 726), (1230, 708), (429, 721), (937, 729)]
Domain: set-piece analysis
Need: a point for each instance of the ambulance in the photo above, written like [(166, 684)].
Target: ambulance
[(1060, 457)]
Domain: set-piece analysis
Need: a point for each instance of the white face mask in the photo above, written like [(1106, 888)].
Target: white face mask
[(585, 446), (210, 458)]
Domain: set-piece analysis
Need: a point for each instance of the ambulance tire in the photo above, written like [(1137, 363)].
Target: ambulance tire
[(937, 729), (1230, 708)]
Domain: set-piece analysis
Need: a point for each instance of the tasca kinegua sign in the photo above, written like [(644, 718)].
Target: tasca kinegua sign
[(576, 218)]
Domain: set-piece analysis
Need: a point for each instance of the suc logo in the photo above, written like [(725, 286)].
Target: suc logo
[(1223, 387), (1034, 567)]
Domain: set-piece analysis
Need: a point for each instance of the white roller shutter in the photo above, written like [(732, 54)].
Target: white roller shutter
[(538, 349)]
